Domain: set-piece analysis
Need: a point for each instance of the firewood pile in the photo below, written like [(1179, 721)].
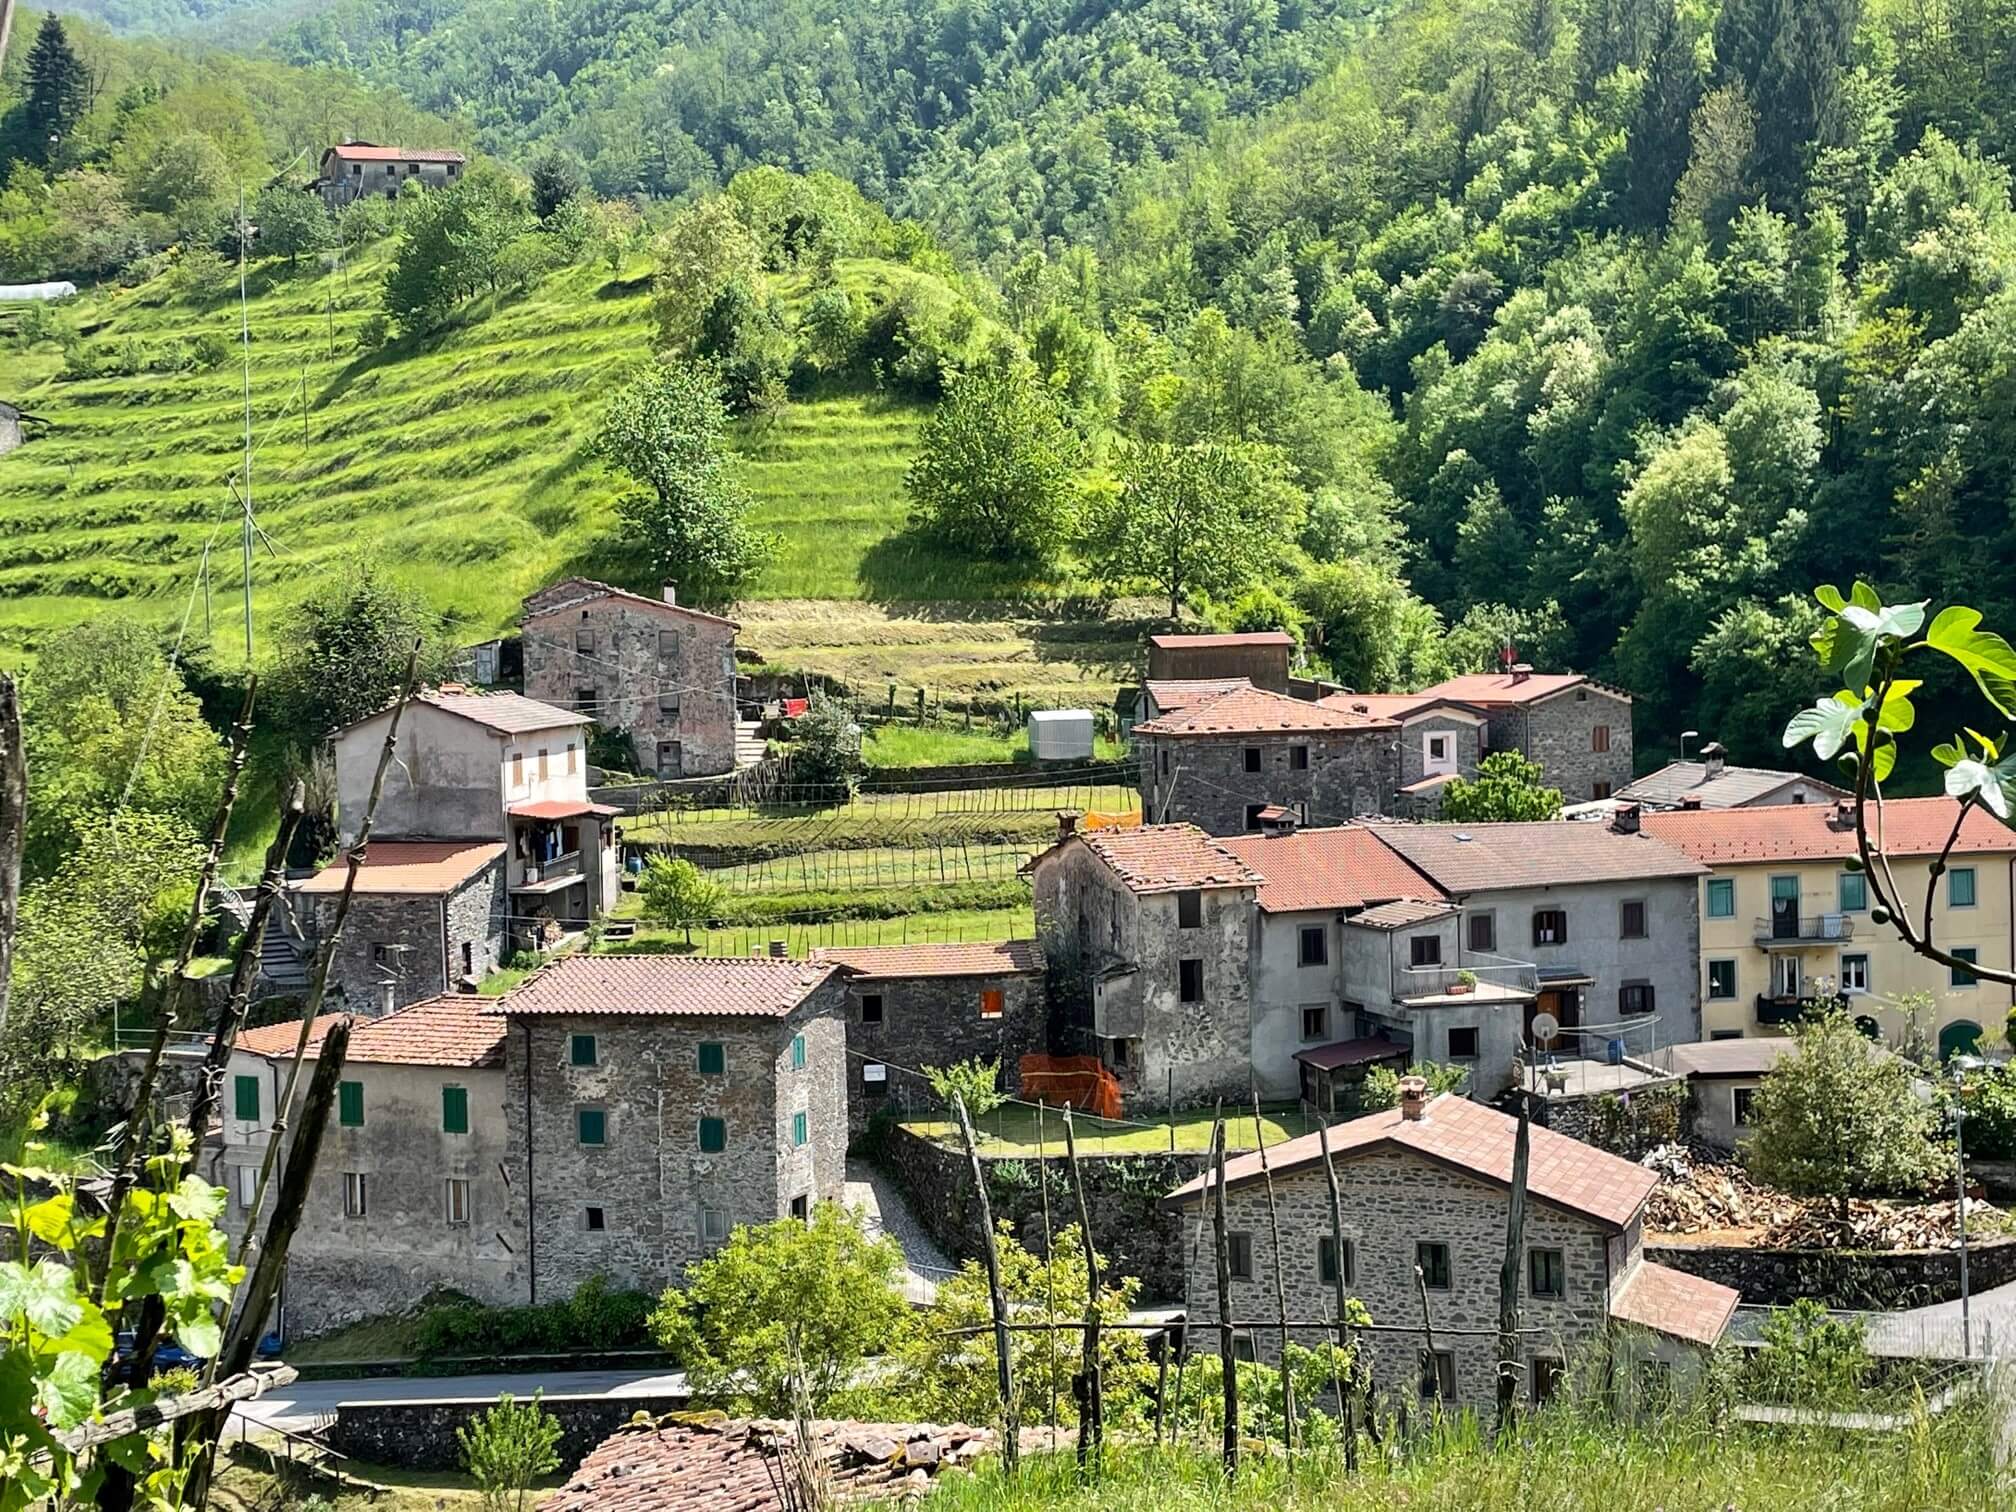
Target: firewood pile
[(1702, 1194)]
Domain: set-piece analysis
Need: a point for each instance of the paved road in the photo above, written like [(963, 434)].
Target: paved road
[(883, 1210), (306, 1404)]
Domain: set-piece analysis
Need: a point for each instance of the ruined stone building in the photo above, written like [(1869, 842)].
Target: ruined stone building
[(1426, 1185), (654, 670)]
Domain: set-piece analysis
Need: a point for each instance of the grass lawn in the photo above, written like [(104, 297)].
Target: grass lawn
[(874, 866), (910, 745), (1012, 1130), (243, 1484), (393, 1338), (1018, 923)]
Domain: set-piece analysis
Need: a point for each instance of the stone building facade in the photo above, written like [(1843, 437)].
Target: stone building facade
[(427, 917), (916, 1006), (1220, 762), (1428, 1187), (1576, 729), (660, 672), (411, 1192), (360, 170), (654, 1103)]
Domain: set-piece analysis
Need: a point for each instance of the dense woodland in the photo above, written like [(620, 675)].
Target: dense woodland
[(1609, 329)]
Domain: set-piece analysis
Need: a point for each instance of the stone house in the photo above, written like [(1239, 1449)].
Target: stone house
[(1576, 730), (491, 767), (426, 917), (1157, 920), (1713, 783), (1441, 739), (659, 672), (654, 1103), (1258, 657), (1219, 762), (354, 170), (1160, 696), (912, 1006), (1427, 1184), (1785, 925), (1600, 921), (413, 1187)]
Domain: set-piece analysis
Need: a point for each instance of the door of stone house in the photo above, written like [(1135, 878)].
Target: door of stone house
[(671, 763)]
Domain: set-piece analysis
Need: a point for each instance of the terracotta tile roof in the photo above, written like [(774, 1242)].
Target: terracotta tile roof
[(508, 713), (1247, 638), (1178, 693), (701, 986), (1812, 831), (1255, 711), (1153, 858), (989, 958), (1467, 858), (1396, 705), (1399, 915), (1732, 787), (1672, 1302), (1344, 867), (1500, 689), (571, 593), (279, 1039), (455, 1030), (366, 152), (1472, 1138), (1351, 1052), (407, 866)]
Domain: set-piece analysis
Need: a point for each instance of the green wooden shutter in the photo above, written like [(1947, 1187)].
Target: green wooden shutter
[(245, 1097), (713, 1136), (455, 1110), (350, 1104), (799, 1132), (797, 1052), (713, 1058), (591, 1125), (581, 1049)]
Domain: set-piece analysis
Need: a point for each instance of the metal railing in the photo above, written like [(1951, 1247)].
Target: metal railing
[(1430, 981), (1811, 929), (567, 865)]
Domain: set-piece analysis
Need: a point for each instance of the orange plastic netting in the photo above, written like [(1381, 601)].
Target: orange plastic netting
[(1075, 1079)]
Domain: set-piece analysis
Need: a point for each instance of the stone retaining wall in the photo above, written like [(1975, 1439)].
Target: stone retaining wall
[(1851, 1279), (421, 1435)]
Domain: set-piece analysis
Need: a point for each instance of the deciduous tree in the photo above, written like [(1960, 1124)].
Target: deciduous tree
[(1189, 519), (342, 653), (677, 895), (1507, 786), (995, 468)]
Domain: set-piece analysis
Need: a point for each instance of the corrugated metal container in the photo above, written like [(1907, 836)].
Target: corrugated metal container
[(1060, 734)]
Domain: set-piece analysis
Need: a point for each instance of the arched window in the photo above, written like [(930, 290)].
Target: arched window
[(1961, 1037)]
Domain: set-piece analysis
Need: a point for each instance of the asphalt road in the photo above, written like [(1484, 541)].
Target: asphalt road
[(307, 1404)]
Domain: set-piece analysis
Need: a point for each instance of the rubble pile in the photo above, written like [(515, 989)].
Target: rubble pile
[(1698, 1195)]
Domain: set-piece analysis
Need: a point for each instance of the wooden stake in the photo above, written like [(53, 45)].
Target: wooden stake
[(1508, 1273), (1343, 1300), (1092, 1423), (1428, 1334), (1004, 1369), (1229, 1373), (13, 821), (1049, 1258), (1288, 1424)]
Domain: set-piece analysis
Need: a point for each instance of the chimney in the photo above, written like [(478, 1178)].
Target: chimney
[(1276, 822), (1521, 671), (1413, 1098), (388, 997), (453, 687), (779, 951), (1713, 759), (671, 591), (1625, 820), (1691, 802), (1844, 813), (1067, 823)]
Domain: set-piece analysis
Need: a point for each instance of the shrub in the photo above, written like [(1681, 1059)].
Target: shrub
[(1809, 1357), (1382, 1083), (209, 350), (975, 1082), (594, 1318), (508, 1448)]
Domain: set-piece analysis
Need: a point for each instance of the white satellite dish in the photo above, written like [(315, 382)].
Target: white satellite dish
[(1545, 1026)]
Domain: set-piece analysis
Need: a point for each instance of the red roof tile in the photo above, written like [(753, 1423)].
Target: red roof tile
[(1396, 705), (1467, 858), (1179, 693), (366, 152), (1345, 867), (1152, 858), (407, 866), (1245, 638), (506, 713), (1811, 831), (990, 958), (1501, 688), (701, 986), (1472, 1138), (560, 808), (1255, 711), (571, 593), (455, 1030), (1672, 1302), (273, 1040)]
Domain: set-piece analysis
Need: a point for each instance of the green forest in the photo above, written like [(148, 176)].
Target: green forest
[(1605, 329)]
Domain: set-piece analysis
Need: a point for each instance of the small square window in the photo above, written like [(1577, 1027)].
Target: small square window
[(993, 1002), (1462, 1044), (1721, 897), (1239, 1256), (1190, 981), (1960, 887), (668, 705), (871, 1007), (1961, 977), (801, 1208), (350, 1104), (1119, 1052), (1550, 926), (245, 1098), (1742, 1106), (1242, 1346), (1632, 925), (713, 1136), (595, 1220), (1433, 1259), (1315, 1022), (591, 1126), (797, 1052), (1313, 946), (454, 1110), (1721, 979), (248, 1185), (1854, 973), (1438, 747), (1298, 758), (800, 1130), (580, 1049), (1253, 813), (668, 644), (1599, 790), (713, 1225), (713, 1058), (584, 639), (1635, 997), (1483, 931), (1252, 758), (455, 1201), (1548, 1270), (1424, 950), (1854, 890), (355, 1204), (1438, 1375), (1326, 1261), (1189, 910), (588, 700)]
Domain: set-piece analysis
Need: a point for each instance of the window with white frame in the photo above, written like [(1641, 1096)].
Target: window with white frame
[(1854, 973), (353, 1194), (455, 1201)]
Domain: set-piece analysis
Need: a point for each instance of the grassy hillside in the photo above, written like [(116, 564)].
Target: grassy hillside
[(460, 461)]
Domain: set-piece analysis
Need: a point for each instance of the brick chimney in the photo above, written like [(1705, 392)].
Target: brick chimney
[(671, 591), (1625, 820), (1713, 758), (779, 951), (1521, 671), (1067, 823), (1413, 1098)]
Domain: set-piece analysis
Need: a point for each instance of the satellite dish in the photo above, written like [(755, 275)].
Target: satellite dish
[(1545, 1026)]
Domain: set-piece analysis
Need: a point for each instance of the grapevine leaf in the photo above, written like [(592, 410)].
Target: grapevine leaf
[(67, 1391), (46, 1296), (197, 1201)]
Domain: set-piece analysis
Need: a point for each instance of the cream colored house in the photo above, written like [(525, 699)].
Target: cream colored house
[(1785, 923)]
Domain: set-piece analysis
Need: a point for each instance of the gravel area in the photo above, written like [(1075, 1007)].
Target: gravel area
[(871, 1193)]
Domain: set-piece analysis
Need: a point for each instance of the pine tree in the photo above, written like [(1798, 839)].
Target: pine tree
[(1788, 55), (1658, 134), (59, 90)]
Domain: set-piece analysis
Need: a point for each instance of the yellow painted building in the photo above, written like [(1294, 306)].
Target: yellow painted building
[(1785, 924)]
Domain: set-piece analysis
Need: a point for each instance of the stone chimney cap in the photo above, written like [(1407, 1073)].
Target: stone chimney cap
[(1625, 820), (1521, 671), (1413, 1098), (779, 950), (1067, 823)]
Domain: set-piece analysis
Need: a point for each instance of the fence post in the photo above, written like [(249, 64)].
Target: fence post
[(1229, 1367), (1092, 1421), (1508, 1273), (1004, 1369), (1049, 1265), (1343, 1301), (1288, 1425)]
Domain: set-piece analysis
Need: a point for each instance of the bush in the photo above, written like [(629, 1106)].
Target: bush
[(1989, 1096), (373, 331), (209, 350), (507, 1449), (1382, 1084), (594, 1318)]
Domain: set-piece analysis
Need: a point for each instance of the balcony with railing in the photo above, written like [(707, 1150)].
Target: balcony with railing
[(1791, 932), (1445, 986), (1786, 1009), (555, 875)]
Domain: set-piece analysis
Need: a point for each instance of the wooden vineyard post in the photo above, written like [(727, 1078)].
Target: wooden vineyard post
[(1280, 1290), (1508, 1273), (1229, 1372), (1004, 1369), (1428, 1336), (1092, 1421), (1343, 1300)]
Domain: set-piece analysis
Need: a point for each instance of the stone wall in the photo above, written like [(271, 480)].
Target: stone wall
[(661, 674), (421, 1435), (1654, 1115), (1134, 1234), (1841, 1278), (398, 939), (1558, 733), (1204, 781), (935, 1021)]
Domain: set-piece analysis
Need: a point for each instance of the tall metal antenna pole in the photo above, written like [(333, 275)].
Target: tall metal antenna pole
[(245, 343)]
